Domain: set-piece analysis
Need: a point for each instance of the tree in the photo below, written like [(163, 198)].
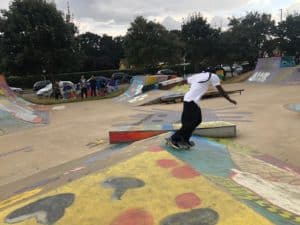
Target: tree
[(98, 53), (36, 38), (288, 34), (199, 40), (249, 36), (149, 43)]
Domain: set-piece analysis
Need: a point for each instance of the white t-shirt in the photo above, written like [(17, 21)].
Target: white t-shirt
[(197, 90)]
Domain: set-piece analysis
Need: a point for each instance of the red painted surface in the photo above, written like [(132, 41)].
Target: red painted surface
[(131, 136), (134, 217), (188, 201), (185, 172), (167, 163), (37, 119)]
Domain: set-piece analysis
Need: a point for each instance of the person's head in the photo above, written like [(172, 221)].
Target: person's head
[(82, 77), (93, 76), (210, 69)]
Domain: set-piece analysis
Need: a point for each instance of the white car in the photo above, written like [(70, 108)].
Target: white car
[(46, 91), (17, 90), (64, 86)]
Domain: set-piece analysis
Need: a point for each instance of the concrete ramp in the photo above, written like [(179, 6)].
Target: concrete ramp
[(266, 68), (16, 113), (276, 70), (140, 85)]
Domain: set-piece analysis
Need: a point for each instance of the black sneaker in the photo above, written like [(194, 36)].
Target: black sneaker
[(191, 143), (172, 143), (184, 145)]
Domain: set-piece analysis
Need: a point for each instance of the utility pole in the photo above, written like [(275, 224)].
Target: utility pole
[(68, 16), (280, 15)]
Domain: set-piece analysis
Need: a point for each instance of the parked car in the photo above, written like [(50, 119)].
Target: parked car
[(226, 68), (122, 77), (17, 90), (65, 86), (166, 72), (238, 69), (45, 92), (40, 84)]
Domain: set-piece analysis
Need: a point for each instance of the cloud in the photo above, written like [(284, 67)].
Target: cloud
[(171, 24), (114, 17), (294, 7), (219, 22), (98, 27)]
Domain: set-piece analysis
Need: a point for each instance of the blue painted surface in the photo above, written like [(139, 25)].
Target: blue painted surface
[(208, 157), (167, 126)]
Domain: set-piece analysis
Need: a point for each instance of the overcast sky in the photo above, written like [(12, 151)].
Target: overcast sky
[(113, 17)]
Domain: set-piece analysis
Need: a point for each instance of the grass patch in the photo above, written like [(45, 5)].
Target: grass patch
[(52, 101)]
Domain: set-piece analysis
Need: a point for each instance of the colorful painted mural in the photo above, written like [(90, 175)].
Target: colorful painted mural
[(165, 191), (218, 182), (139, 85), (16, 113)]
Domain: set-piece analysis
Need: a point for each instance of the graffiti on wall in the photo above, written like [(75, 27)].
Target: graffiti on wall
[(259, 77)]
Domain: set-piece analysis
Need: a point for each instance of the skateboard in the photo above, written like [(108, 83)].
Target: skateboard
[(180, 148)]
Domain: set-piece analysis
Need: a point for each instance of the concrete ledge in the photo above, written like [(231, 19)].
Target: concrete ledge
[(216, 129)]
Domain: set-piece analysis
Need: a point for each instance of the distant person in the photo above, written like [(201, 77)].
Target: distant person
[(56, 89), (112, 84), (297, 58), (102, 87), (191, 116), (93, 85), (83, 86)]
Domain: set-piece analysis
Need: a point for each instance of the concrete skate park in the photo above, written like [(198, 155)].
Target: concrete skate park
[(105, 161)]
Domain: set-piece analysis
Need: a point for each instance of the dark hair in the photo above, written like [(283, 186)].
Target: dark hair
[(210, 69)]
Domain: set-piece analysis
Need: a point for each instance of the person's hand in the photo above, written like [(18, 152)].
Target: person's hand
[(233, 101)]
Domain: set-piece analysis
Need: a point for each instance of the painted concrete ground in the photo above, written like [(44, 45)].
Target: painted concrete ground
[(215, 183)]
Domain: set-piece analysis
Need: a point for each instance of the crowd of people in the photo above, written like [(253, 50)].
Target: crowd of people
[(85, 88)]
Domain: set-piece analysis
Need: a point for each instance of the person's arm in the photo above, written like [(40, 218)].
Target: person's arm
[(225, 95)]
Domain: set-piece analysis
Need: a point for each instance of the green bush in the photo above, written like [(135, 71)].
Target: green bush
[(21, 82)]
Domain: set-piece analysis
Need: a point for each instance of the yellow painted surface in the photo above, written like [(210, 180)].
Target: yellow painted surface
[(93, 203), (150, 80), (19, 197)]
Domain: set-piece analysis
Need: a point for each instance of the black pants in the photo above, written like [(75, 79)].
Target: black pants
[(191, 118), (93, 91), (83, 92)]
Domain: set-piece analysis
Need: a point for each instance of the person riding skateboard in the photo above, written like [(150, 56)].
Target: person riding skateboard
[(191, 116)]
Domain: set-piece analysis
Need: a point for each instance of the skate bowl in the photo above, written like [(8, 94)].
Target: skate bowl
[(16, 113), (276, 70)]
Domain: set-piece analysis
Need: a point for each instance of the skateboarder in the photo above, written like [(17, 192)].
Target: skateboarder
[(191, 116)]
